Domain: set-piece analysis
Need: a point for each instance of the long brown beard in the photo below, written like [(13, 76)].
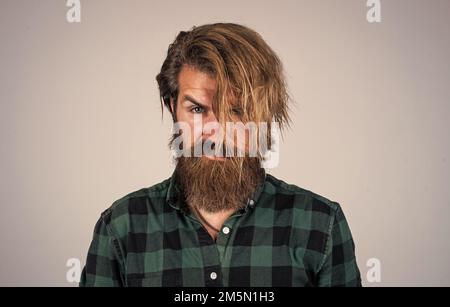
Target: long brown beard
[(216, 186)]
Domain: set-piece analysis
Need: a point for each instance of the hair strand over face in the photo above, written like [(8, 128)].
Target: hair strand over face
[(250, 83), (249, 75)]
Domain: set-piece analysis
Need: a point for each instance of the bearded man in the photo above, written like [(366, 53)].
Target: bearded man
[(220, 219)]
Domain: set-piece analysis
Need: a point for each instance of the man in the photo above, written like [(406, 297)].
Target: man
[(220, 219)]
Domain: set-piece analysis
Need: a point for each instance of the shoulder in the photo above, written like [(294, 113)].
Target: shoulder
[(289, 195), (313, 218), (140, 202)]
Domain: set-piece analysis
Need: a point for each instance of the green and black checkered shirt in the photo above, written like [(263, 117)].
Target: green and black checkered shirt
[(285, 236)]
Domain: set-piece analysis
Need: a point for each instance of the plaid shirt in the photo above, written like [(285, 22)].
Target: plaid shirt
[(285, 236)]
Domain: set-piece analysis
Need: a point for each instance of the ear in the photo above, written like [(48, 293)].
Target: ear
[(172, 108)]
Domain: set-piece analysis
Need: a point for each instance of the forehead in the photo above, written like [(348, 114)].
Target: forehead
[(194, 82)]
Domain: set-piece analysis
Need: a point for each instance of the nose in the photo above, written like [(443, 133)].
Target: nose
[(210, 126)]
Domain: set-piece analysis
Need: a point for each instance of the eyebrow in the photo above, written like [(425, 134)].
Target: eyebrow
[(189, 98)]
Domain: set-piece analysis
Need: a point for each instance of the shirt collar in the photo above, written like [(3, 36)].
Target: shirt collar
[(173, 192)]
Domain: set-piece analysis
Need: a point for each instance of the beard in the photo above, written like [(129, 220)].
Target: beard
[(214, 185)]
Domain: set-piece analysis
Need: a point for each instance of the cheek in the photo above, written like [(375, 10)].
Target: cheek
[(195, 132)]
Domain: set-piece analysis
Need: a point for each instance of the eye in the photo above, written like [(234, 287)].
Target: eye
[(197, 110), (237, 111)]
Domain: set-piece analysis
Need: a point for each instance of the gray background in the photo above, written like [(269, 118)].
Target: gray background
[(80, 122)]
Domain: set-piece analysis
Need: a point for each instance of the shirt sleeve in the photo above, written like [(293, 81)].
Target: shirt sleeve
[(339, 267), (103, 262)]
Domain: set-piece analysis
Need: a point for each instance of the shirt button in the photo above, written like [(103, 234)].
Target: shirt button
[(226, 230), (213, 275)]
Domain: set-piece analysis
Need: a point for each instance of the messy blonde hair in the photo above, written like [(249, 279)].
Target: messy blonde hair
[(248, 73)]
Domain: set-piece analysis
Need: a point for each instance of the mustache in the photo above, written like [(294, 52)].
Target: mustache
[(216, 147)]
